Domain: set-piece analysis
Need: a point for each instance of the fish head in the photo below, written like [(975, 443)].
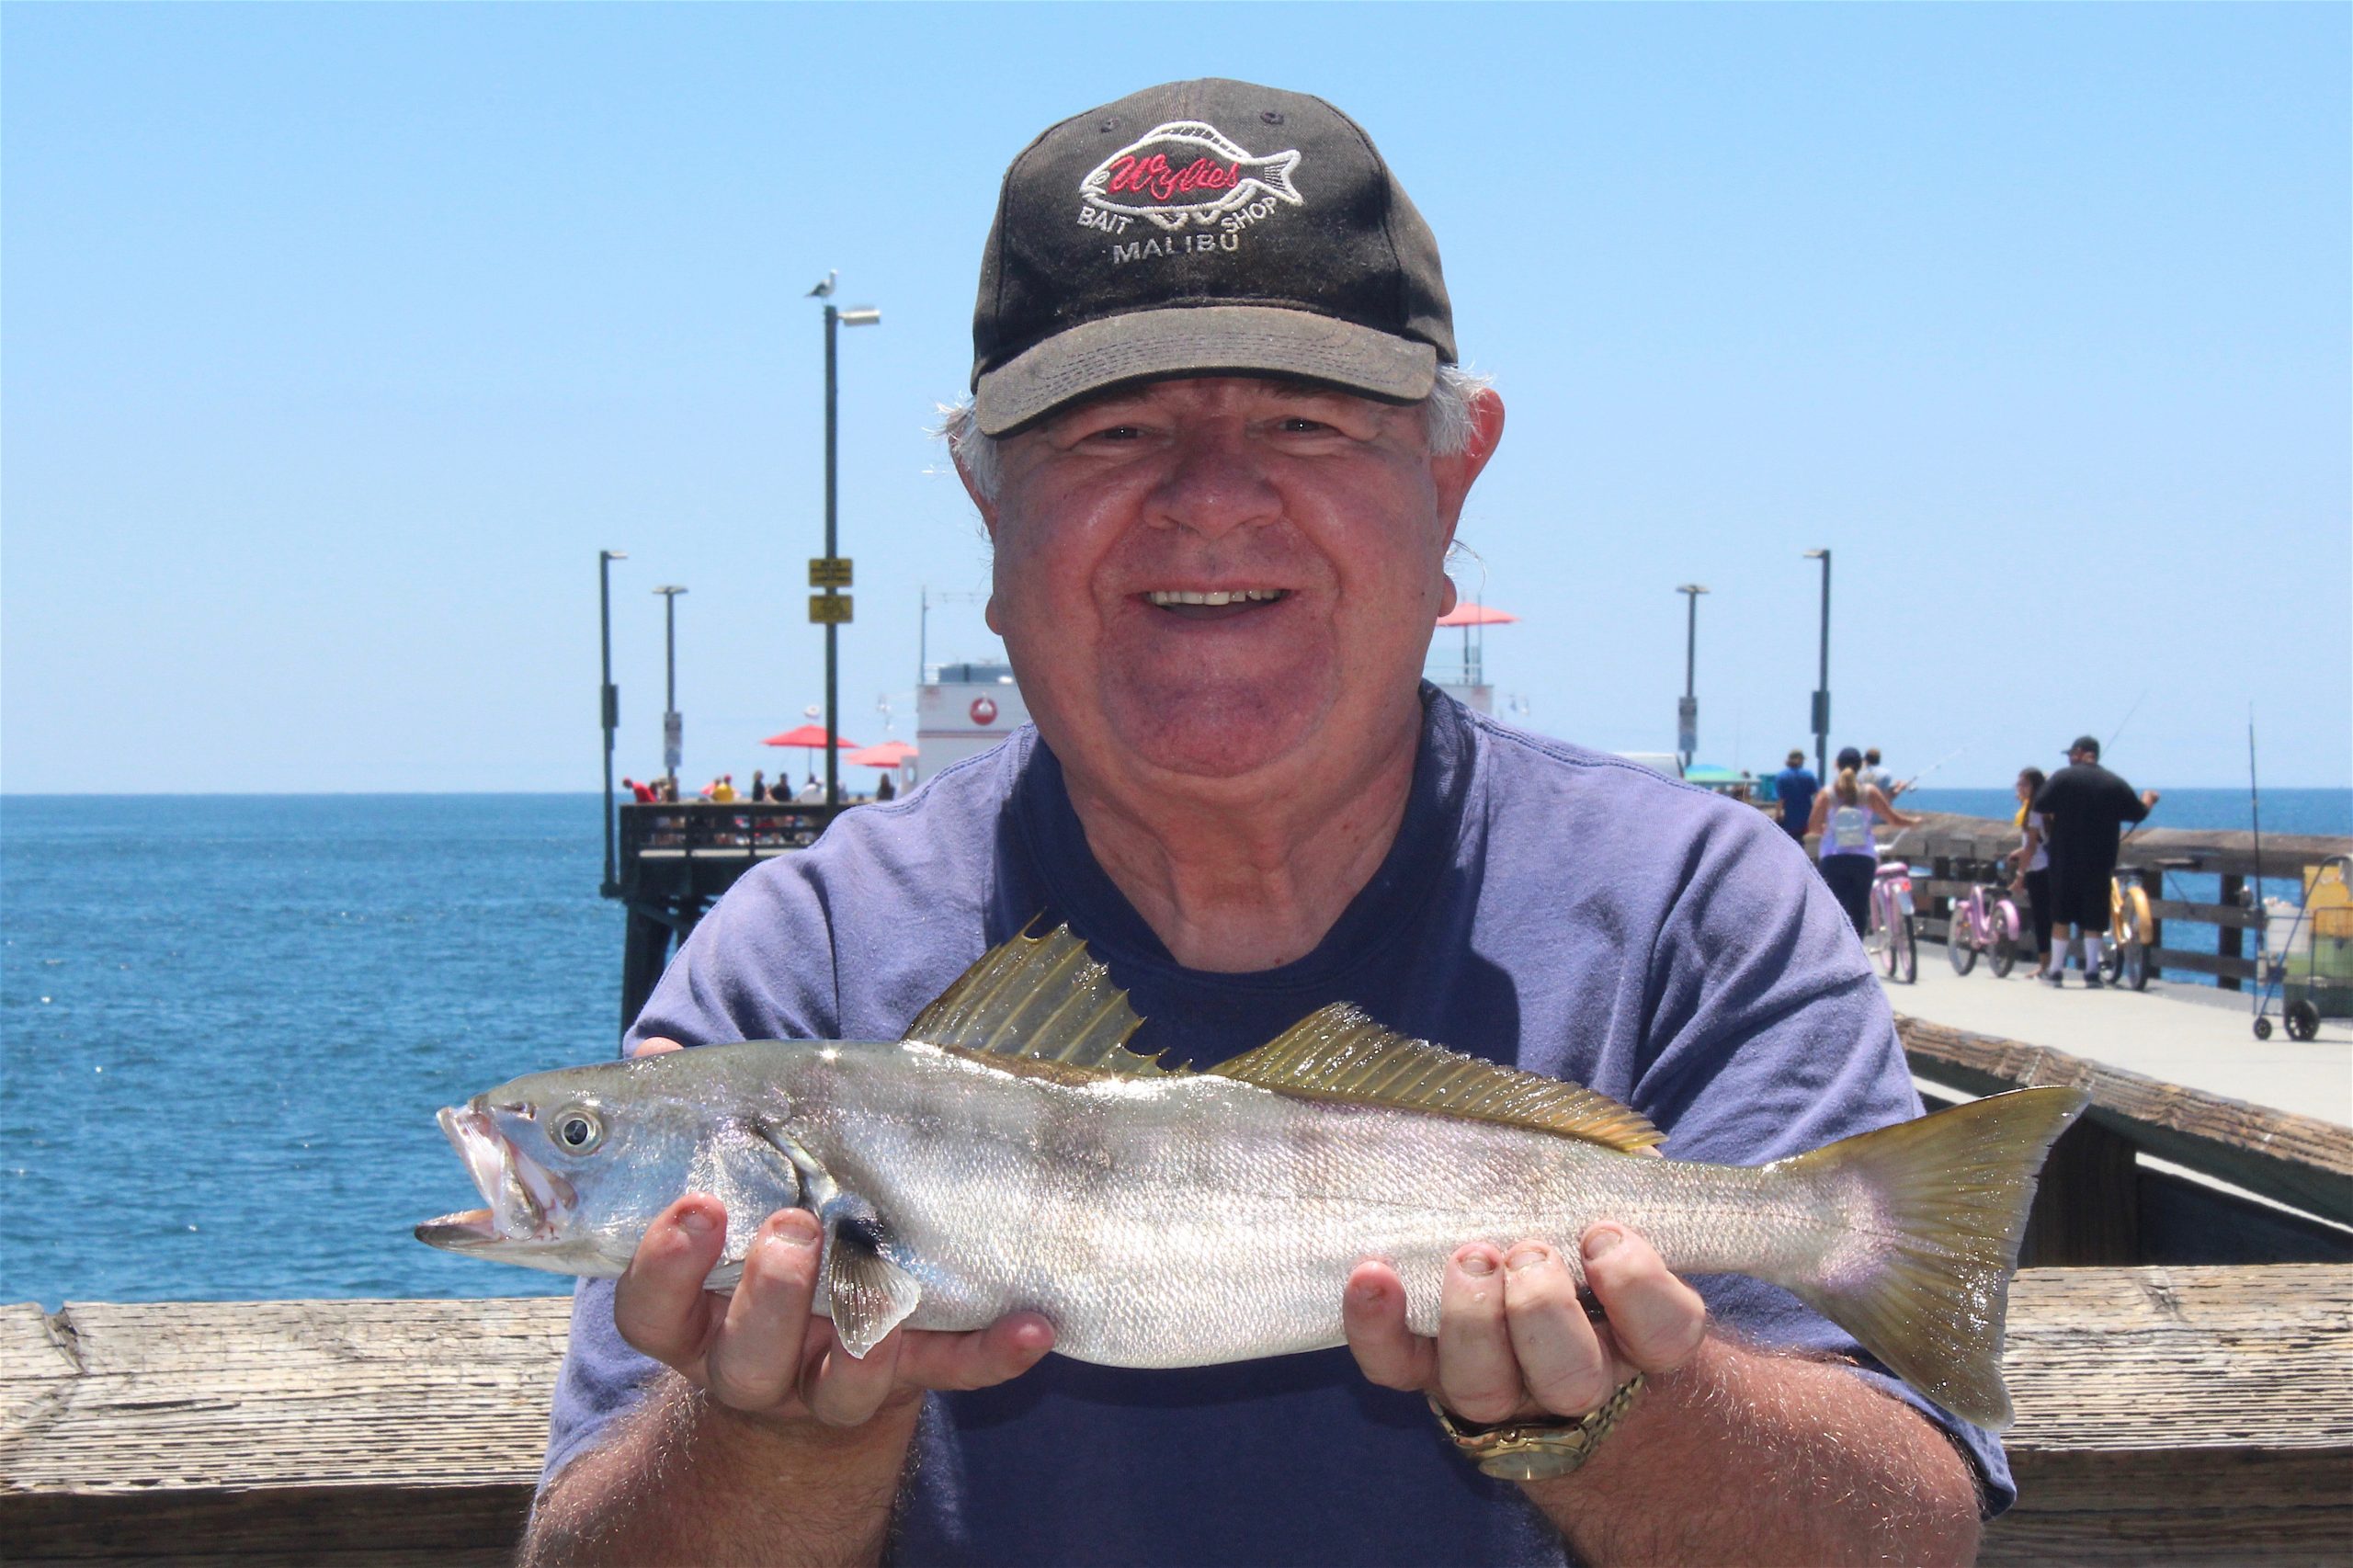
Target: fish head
[(575, 1165)]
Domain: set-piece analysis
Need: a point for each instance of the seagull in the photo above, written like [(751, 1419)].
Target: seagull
[(824, 291)]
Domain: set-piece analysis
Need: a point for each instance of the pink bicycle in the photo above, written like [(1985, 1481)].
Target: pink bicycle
[(1984, 922), (1892, 937)]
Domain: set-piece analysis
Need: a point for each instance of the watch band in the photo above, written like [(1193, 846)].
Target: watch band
[(1536, 1451)]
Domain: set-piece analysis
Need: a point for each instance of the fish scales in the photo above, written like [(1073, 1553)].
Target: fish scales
[(1143, 1214)]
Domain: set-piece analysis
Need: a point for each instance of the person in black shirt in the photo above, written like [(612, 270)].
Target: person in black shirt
[(2083, 806)]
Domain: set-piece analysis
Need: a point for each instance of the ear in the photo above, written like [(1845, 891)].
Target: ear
[(1455, 473), (981, 504)]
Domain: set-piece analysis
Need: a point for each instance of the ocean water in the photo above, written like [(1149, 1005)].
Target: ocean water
[(226, 1022)]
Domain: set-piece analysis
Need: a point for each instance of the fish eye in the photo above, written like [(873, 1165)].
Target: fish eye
[(576, 1129)]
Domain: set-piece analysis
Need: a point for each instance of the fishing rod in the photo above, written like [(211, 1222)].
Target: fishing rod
[(1915, 778), (2126, 719), (2255, 807)]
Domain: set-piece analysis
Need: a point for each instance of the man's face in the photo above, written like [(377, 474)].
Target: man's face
[(1315, 525)]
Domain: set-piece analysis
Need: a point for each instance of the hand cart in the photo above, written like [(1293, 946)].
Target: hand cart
[(2304, 956)]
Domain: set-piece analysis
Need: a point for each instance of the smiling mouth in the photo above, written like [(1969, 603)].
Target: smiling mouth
[(1212, 604), (526, 1202)]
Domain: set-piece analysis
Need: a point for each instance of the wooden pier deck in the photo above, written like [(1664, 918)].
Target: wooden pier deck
[(2164, 1416)]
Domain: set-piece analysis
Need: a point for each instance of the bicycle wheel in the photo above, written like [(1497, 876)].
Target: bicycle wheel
[(2136, 966), (1960, 946), (2304, 1019), (2006, 955), (2111, 960), (1904, 951)]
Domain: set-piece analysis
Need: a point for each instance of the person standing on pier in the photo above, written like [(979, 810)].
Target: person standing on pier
[(2085, 807), (1221, 440), (1794, 787), (2031, 860), (1844, 815)]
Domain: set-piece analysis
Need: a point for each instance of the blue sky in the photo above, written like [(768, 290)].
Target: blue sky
[(337, 340)]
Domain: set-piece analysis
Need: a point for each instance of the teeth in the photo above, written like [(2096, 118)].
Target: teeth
[(1214, 597)]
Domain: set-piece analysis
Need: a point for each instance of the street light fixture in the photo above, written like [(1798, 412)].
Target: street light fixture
[(673, 727), (836, 574), (610, 702), (1686, 715), (1822, 690)]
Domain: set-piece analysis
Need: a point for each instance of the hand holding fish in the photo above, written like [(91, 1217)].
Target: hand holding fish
[(1513, 1341), (760, 1351)]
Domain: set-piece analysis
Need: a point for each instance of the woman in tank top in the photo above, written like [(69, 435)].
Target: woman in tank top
[(1844, 815), (2032, 858)]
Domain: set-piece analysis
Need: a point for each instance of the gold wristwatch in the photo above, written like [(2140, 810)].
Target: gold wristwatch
[(1536, 1451)]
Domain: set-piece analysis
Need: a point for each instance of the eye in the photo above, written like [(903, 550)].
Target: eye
[(576, 1129)]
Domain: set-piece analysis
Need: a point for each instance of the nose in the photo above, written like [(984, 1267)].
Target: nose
[(1216, 483)]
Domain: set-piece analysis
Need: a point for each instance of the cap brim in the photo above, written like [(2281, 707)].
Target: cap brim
[(1201, 340)]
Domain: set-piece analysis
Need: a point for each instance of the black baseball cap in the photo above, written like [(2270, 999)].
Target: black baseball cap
[(2086, 742), (1200, 228)]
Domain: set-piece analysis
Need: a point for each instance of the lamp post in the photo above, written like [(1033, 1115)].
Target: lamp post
[(673, 727), (836, 575), (1822, 690), (610, 701), (1687, 714)]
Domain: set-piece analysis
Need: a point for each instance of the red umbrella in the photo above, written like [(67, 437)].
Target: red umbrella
[(883, 754), (1467, 613), (810, 736)]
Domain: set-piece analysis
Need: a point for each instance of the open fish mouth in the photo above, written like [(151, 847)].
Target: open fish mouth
[(528, 1203)]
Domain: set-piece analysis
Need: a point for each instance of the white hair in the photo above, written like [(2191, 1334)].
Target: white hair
[(1446, 415)]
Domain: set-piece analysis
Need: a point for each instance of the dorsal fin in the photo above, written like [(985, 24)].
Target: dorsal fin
[(1339, 1053), (1037, 1000)]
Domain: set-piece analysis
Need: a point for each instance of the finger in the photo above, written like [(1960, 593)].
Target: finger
[(844, 1391), (983, 1358), (1561, 1360), (754, 1359), (1656, 1320), (1478, 1377), (1372, 1309), (660, 1305), (654, 1046)]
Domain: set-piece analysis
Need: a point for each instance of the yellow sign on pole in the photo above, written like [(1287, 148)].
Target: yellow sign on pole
[(829, 609), (829, 571)]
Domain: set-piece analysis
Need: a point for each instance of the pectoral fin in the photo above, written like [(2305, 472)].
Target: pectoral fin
[(869, 1294)]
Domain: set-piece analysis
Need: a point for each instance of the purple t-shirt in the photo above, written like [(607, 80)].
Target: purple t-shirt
[(1543, 906)]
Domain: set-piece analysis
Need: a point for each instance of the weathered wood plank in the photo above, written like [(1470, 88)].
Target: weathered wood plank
[(2227, 852), (2301, 1161), (2164, 1415)]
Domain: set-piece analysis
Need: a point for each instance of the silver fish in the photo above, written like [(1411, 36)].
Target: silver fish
[(1010, 1153)]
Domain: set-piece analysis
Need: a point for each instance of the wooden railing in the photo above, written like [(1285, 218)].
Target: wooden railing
[(2174, 1416), (1962, 852)]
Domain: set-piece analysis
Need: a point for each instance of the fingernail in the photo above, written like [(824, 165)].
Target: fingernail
[(695, 1222), (1481, 1263), (1365, 1295), (1600, 1240), (796, 1232), (1525, 1257)]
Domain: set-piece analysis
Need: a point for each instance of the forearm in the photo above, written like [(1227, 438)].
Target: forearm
[(686, 1480), (1740, 1456)]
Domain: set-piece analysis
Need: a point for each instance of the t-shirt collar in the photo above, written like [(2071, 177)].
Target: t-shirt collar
[(1070, 885)]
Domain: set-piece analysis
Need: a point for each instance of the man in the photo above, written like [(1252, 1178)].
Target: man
[(2084, 808), (1221, 447), (1794, 787), (1874, 776)]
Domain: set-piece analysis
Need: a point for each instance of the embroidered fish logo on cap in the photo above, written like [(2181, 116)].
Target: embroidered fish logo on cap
[(1186, 172)]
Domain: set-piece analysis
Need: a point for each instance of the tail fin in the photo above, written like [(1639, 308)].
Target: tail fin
[(1924, 1285)]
